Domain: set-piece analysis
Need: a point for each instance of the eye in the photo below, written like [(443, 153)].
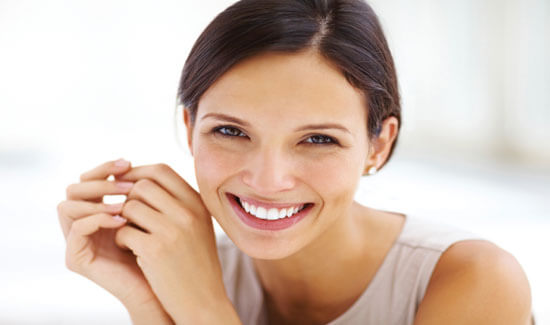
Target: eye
[(321, 139), (229, 131)]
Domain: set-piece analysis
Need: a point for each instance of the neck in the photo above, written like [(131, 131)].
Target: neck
[(321, 280)]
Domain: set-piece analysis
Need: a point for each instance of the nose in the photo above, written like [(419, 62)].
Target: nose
[(268, 171)]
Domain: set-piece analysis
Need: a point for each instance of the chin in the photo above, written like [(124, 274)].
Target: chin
[(266, 248)]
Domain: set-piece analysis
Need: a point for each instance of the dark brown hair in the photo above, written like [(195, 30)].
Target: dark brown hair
[(345, 32)]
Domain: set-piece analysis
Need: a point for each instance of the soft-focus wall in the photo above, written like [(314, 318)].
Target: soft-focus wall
[(474, 75), (82, 82)]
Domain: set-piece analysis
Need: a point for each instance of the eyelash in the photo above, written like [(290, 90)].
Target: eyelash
[(218, 130)]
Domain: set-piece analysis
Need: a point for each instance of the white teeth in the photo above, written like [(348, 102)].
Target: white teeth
[(271, 213), (261, 213)]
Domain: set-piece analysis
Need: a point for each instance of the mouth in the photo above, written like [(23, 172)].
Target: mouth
[(268, 216)]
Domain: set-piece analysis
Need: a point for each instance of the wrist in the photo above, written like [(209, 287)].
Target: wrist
[(151, 312), (218, 313)]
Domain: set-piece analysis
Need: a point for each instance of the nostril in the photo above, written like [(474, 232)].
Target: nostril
[(268, 184), (268, 175)]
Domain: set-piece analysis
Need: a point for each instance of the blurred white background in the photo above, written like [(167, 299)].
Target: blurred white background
[(83, 82)]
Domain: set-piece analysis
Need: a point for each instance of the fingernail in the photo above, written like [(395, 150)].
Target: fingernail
[(121, 163), (124, 185), (115, 207), (119, 218)]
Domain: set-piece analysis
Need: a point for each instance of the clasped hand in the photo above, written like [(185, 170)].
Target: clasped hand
[(161, 253)]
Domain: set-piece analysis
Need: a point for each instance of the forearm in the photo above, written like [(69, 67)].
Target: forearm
[(152, 313), (221, 313)]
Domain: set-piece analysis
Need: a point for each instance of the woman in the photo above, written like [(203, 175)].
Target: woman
[(287, 104)]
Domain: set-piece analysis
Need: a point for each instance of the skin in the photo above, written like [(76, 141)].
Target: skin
[(309, 272), (161, 260), (476, 282), (90, 231), (272, 162)]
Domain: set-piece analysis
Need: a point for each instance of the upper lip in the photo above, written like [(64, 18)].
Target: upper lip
[(259, 203)]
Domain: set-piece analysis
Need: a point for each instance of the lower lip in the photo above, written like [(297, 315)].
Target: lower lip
[(262, 224)]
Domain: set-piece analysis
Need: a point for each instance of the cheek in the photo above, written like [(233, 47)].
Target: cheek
[(212, 165), (334, 177), (212, 168)]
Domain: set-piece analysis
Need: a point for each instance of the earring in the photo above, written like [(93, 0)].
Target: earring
[(372, 170)]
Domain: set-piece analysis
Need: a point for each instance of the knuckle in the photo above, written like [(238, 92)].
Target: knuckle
[(119, 235), (171, 237), (61, 207), (80, 226), (185, 211), (70, 189), (190, 223), (71, 264), (162, 168), (77, 226), (185, 220), (121, 232), (142, 185), (130, 206), (155, 248), (187, 215), (160, 246)]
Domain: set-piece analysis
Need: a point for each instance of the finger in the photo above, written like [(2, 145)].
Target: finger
[(96, 189), (143, 216), (78, 238), (128, 237), (89, 225), (103, 171), (168, 179), (156, 197), (70, 210), (78, 209)]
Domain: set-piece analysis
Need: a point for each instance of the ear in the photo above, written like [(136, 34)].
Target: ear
[(189, 127), (381, 146)]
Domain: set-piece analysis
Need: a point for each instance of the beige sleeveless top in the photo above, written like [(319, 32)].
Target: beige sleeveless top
[(391, 298)]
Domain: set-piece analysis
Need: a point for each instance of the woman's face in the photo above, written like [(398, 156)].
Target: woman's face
[(281, 132)]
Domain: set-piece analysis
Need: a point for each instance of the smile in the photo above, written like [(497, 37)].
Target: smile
[(268, 216), (268, 213)]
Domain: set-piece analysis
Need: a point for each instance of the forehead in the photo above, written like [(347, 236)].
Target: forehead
[(293, 83)]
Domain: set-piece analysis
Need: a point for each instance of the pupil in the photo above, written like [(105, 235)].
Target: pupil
[(228, 131), (319, 139), (232, 131)]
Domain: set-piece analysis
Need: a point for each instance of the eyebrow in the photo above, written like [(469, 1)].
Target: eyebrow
[(322, 126), (228, 118)]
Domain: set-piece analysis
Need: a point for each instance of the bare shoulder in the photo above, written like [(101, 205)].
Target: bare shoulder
[(476, 282)]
